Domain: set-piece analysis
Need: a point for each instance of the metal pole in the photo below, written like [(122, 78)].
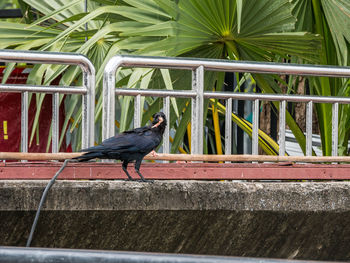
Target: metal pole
[(24, 122), (88, 108), (309, 128), (158, 93), (275, 97), (55, 122), (166, 143), (197, 111), (137, 111), (235, 95), (229, 66), (42, 89), (43, 255), (335, 113), (282, 128), (255, 135), (228, 127), (108, 100)]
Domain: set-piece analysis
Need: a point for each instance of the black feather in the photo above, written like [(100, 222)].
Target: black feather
[(129, 146)]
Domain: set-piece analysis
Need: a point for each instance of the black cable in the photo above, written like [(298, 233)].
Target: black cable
[(43, 198)]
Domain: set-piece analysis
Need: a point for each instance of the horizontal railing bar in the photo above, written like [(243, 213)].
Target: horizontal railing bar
[(276, 97), (39, 57), (231, 95), (228, 66), (43, 255), (43, 89), (185, 157), (156, 93)]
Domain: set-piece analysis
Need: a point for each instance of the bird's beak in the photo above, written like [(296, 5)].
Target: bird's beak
[(160, 120)]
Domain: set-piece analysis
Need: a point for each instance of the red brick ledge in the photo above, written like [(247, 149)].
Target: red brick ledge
[(177, 171)]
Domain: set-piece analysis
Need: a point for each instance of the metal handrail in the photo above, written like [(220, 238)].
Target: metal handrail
[(197, 95), (227, 95), (87, 90), (42, 255)]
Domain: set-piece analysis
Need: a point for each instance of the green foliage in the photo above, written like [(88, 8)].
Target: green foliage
[(256, 30), (331, 19)]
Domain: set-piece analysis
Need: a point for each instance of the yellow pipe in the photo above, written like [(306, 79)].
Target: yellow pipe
[(189, 135), (217, 129)]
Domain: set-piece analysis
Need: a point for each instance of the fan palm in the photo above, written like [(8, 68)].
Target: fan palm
[(331, 19), (226, 29)]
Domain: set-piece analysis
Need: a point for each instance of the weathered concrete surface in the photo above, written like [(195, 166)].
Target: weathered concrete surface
[(284, 220)]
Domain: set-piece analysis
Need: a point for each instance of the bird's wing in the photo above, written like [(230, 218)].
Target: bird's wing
[(118, 141), (139, 130), (139, 140), (132, 142)]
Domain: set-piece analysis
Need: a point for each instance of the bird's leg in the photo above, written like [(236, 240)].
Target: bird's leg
[(137, 169), (125, 167)]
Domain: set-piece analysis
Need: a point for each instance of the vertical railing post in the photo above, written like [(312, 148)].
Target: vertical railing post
[(88, 110), (24, 121), (166, 143), (335, 113), (108, 101), (228, 127), (309, 128), (255, 135), (197, 111), (55, 122), (137, 111), (282, 128)]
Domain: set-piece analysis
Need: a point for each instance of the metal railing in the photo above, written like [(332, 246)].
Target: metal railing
[(87, 90), (197, 94), (43, 255)]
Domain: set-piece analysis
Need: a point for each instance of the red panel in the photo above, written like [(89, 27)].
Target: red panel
[(10, 116), (177, 171)]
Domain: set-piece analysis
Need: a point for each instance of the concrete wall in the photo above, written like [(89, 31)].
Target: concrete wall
[(270, 219)]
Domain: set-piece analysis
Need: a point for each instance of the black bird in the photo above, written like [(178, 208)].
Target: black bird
[(130, 145)]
